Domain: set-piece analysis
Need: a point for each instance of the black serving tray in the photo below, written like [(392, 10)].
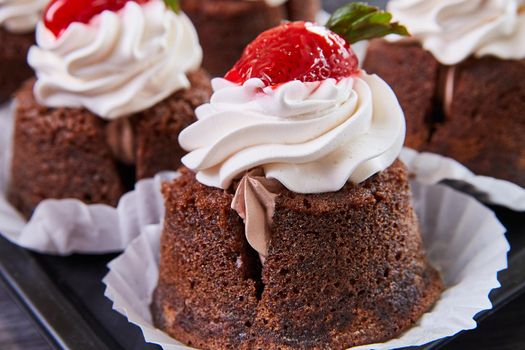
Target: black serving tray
[(65, 297)]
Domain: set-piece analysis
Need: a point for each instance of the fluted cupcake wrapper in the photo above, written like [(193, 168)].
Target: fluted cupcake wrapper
[(463, 239), (431, 168)]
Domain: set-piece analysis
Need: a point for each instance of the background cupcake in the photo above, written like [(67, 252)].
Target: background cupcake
[(114, 87), (18, 19), (461, 80)]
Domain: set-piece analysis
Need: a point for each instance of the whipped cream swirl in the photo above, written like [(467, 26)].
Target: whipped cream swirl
[(118, 64), (20, 16), (311, 137), (456, 29)]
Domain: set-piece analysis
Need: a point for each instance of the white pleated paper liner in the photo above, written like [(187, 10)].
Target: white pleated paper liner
[(431, 168), (69, 226), (463, 239)]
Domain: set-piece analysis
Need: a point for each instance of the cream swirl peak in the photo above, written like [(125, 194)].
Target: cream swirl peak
[(312, 137), (20, 16), (456, 29), (120, 63)]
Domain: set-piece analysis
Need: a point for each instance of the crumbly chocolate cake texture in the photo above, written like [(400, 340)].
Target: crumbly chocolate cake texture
[(343, 268), (226, 27), (158, 128), (480, 121), (485, 128), (414, 81), (13, 63), (59, 153), (302, 10), (66, 153)]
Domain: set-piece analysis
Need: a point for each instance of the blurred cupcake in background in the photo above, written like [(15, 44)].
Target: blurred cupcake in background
[(18, 19), (460, 80), (116, 83), (225, 27)]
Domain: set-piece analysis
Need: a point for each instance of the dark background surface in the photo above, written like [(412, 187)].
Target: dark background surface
[(78, 281)]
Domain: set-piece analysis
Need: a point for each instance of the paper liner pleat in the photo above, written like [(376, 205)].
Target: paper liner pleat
[(431, 168)]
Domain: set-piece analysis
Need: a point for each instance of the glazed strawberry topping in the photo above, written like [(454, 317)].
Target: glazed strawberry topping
[(295, 51), (59, 14)]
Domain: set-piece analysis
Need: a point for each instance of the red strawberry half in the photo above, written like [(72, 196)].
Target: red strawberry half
[(301, 51)]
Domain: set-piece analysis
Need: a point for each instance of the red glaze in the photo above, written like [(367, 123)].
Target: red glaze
[(295, 51), (59, 14)]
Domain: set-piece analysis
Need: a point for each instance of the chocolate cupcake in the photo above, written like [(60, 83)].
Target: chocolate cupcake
[(18, 19), (460, 81), (292, 226), (112, 93), (225, 27)]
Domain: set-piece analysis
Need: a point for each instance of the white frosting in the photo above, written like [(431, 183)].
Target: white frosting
[(20, 16), (312, 137), (272, 3), (119, 63), (455, 29)]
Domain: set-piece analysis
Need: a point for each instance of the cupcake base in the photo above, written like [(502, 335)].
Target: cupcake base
[(71, 153), (413, 75), (59, 153), (485, 128), (448, 222), (343, 269)]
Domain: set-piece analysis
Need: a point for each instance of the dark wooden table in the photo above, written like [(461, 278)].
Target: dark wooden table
[(17, 331)]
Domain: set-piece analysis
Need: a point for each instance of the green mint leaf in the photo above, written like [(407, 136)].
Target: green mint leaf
[(359, 21), (173, 4)]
